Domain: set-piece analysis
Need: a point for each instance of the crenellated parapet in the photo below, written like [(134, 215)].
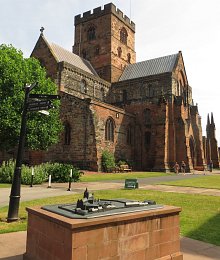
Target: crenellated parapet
[(108, 9)]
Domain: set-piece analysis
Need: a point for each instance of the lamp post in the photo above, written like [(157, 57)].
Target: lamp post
[(16, 183), (43, 103)]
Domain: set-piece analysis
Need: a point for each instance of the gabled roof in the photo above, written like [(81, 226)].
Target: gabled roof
[(150, 67), (64, 55)]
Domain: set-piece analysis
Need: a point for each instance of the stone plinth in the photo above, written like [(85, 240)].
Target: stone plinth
[(143, 235)]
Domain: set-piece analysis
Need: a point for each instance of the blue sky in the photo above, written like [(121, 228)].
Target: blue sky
[(163, 27)]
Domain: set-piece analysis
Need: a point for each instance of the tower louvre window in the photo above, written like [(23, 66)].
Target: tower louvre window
[(91, 33), (119, 52), (109, 130), (129, 57), (123, 35)]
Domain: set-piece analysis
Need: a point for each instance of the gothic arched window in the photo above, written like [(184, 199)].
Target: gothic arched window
[(83, 86), (91, 33), (150, 91), (147, 140), (129, 57), (67, 134), (109, 130), (123, 35), (125, 95), (147, 116), (119, 52), (178, 88)]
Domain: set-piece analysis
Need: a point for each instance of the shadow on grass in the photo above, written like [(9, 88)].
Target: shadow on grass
[(208, 232)]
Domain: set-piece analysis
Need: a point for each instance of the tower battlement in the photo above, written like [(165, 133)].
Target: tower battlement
[(108, 9)]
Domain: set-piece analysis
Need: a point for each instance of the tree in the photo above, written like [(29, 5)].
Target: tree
[(15, 73)]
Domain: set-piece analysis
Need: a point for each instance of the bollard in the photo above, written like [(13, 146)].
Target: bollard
[(70, 179), (49, 182), (32, 176)]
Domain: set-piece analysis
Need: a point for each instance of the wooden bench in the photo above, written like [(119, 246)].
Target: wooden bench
[(125, 168), (199, 168)]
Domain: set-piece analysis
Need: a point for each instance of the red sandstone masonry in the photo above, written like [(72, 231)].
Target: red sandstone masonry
[(144, 235)]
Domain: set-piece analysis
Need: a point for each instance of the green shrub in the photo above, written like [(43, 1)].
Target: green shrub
[(40, 175), (108, 161), (7, 171), (60, 172)]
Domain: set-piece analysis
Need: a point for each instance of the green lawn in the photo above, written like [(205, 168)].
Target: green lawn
[(208, 182), (200, 216), (120, 176), (4, 185)]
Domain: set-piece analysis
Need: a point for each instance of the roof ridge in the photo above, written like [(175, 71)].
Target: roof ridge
[(68, 51), (63, 54), (150, 67), (175, 54)]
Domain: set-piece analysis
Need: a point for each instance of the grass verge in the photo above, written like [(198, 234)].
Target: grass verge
[(208, 182), (199, 219), (5, 185), (120, 176)]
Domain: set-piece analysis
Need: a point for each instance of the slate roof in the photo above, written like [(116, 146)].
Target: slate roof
[(64, 55), (149, 67)]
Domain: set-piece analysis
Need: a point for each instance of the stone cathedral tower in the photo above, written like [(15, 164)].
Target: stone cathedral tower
[(211, 143), (105, 38)]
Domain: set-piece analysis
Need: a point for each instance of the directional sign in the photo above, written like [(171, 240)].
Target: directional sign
[(44, 96), (39, 108), (39, 103)]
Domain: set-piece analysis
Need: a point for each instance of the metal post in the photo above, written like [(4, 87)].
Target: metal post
[(16, 183), (32, 176), (70, 179)]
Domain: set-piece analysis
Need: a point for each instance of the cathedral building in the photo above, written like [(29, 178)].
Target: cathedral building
[(142, 112)]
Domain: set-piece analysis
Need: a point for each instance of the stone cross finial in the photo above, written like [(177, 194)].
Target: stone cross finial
[(41, 30)]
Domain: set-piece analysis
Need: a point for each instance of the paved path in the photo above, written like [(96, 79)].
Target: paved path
[(192, 249), (58, 189)]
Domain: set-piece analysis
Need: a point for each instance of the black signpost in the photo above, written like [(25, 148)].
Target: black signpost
[(28, 107), (44, 96)]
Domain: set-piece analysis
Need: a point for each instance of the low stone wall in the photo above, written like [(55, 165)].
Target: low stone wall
[(152, 234)]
